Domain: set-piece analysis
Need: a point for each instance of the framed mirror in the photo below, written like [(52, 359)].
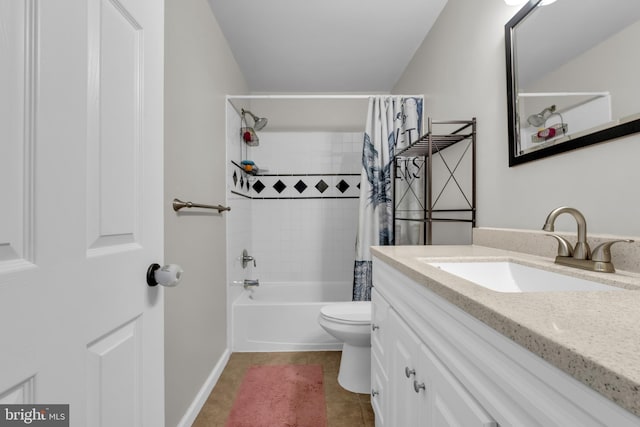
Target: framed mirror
[(573, 75)]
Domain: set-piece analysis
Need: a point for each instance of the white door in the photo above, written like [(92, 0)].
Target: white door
[(81, 208)]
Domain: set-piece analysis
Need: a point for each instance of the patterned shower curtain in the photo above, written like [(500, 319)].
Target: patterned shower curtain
[(392, 123)]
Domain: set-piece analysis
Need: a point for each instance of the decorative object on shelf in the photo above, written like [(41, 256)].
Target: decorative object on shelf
[(249, 166)]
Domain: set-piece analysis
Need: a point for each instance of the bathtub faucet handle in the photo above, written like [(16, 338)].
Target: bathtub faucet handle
[(246, 258)]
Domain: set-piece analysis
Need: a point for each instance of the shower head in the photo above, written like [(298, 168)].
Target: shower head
[(258, 122), (540, 118)]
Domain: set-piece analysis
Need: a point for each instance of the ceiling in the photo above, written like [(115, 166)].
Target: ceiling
[(293, 46)]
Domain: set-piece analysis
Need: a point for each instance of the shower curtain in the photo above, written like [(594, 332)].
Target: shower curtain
[(392, 123)]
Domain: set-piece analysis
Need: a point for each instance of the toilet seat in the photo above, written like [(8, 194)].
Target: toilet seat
[(351, 313)]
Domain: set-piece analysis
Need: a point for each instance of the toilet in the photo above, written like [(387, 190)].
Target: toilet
[(350, 322)]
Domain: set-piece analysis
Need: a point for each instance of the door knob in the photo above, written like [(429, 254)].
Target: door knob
[(167, 275)]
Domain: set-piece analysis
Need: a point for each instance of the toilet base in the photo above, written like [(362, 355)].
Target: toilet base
[(355, 369)]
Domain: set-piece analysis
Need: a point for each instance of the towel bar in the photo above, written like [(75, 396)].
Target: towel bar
[(179, 204)]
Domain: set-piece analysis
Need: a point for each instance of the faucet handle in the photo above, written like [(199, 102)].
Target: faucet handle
[(246, 258), (602, 252), (564, 246)]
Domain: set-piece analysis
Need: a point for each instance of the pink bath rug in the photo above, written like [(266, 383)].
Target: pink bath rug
[(280, 396)]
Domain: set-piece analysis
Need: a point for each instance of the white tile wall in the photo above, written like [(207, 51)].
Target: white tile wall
[(305, 240), (308, 152), (309, 240)]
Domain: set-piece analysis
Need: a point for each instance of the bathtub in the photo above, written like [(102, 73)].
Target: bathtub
[(284, 317)]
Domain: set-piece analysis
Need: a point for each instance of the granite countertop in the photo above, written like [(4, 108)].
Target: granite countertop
[(593, 336)]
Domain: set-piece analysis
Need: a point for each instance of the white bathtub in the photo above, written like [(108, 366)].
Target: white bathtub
[(284, 317)]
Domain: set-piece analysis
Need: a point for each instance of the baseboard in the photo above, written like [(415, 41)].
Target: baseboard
[(197, 404)]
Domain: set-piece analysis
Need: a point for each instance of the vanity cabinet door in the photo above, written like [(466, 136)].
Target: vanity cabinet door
[(421, 389), (404, 401), (379, 391), (379, 329), (379, 355), (449, 403)]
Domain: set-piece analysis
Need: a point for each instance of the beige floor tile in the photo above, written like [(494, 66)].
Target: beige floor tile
[(239, 361), (344, 409), (342, 414), (333, 391), (294, 358), (368, 417)]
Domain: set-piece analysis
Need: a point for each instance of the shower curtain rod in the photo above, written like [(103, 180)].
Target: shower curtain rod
[(318, 96)]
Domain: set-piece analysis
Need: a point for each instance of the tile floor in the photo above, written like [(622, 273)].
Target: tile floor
[(344, 409)]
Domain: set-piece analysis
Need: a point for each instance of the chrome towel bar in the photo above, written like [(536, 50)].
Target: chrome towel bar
[(179, 204)]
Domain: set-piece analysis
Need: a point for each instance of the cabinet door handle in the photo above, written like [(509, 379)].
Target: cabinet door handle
[(408, 372), (374, 393), (417, 387), (374, 327)]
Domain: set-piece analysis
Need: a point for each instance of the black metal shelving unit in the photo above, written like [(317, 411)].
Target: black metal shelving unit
[(431, 145)]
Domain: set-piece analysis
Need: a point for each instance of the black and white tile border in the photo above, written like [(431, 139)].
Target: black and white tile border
[(296, 186)]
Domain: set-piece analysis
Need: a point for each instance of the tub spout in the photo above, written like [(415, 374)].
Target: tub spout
[(250, 283)]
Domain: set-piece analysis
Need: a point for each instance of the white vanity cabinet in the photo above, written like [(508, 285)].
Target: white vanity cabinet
[(433, 364), (420, 391)]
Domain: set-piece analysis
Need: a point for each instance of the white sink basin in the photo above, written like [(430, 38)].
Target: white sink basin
[(506, 276)]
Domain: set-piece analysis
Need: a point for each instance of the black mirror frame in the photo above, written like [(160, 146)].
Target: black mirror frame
[(512, 91)]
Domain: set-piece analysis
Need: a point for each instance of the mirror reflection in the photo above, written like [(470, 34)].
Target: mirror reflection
[(574, 73)]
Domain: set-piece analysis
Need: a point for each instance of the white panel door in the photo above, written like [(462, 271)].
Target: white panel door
[(81, 84)]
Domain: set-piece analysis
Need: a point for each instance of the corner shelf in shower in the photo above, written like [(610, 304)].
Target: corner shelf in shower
[(243, 170), (430, 146)]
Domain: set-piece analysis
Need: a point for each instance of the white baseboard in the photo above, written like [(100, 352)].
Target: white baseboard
[(197, 404)]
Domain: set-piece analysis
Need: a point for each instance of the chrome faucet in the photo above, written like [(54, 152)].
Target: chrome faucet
[(580, 256)]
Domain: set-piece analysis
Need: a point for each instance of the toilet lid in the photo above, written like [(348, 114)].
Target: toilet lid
[(355, 311)]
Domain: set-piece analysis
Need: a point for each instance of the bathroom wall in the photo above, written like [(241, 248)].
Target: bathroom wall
[(199, 71), (460, 67)]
